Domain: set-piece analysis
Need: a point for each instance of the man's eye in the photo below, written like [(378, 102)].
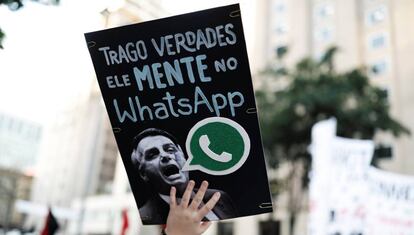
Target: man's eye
[(151, 155), (171, 149)]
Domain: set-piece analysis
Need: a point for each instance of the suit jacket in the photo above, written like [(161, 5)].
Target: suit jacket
[(155, 210)]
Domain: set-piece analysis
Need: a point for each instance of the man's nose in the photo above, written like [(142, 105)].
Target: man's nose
[(165, 158)]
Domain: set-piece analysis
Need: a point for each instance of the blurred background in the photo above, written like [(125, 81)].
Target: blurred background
[(342, 64)]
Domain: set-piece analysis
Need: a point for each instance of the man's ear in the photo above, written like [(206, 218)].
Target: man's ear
[(142, 174)]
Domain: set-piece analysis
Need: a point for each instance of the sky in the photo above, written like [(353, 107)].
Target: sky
[(184, 6), (45, 63)]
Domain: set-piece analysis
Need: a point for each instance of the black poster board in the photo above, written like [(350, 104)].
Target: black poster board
[(179, 96)]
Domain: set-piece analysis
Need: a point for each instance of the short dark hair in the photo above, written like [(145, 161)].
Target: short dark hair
[(143, 134)]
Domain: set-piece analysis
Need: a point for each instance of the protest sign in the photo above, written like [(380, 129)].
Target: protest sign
[(350, 197), (323, 134), (390, 203), (338, 185), (349, 161), (179, 96)]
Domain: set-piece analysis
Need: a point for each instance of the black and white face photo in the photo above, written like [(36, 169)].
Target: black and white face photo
[(160, 163)]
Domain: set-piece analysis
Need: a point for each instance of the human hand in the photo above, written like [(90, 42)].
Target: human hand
[(185, 218)]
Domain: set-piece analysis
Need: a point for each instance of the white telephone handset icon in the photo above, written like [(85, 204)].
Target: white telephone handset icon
[(204, 142)]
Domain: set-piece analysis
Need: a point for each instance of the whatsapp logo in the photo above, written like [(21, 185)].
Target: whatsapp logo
[(217, 146)]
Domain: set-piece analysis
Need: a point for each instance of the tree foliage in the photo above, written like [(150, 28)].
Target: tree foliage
[(16, 5), (313, 91)]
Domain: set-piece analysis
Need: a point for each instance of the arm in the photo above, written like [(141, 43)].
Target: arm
[(185, 219)]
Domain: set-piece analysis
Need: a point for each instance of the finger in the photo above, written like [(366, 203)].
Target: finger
[(173, 201), (187, 194), (208, 206), (204, 226), (199, 196)]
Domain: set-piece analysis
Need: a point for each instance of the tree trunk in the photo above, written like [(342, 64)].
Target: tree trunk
[(292, 221), (295, 189)]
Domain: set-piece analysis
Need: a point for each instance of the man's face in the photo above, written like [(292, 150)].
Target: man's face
[(162, 162)]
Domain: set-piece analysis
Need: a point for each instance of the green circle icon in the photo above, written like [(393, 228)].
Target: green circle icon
[(217, 146)]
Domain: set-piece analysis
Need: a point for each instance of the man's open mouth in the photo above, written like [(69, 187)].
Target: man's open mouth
[(170, 170)]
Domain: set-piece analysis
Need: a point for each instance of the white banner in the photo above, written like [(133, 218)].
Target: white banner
[(322, 136), (337, 187), (349, 162), (347, 196), (390, 204)]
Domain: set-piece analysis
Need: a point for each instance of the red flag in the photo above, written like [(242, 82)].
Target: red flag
[(163, 227), (51, 224), (125, 222)]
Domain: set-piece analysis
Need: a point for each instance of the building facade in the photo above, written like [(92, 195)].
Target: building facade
[(79, 153), (373, 34), (77, 158), (19, 142), (14, 185)]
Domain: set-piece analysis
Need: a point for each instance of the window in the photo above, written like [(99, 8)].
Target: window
[(324, 35), (378, 41), (280, 7), (225, 228), (324, 10), (376, 15), (281, 51), (379, 68), (269, 227), (281, 28)]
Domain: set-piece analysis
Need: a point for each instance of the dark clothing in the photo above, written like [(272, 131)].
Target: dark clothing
[(155, 210)]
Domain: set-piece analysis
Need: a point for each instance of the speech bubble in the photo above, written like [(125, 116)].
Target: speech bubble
[(216, 146)]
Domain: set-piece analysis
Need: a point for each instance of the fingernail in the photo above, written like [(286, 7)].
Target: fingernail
[(205, 183), (217, 195), (191, 182)]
